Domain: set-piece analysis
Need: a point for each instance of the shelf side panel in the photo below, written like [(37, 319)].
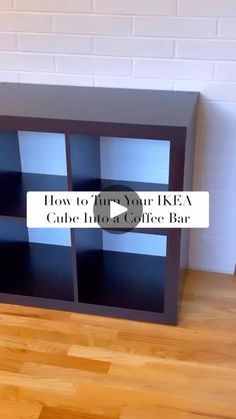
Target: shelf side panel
[(72, 231), (188, 185)]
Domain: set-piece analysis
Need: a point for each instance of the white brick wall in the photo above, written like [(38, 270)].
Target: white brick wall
[(7, 42), (136, 47), (68, 44), (227, 28), (171, 27), (94, 65), (26, 62), (216, 8), (20, 22), (225, 71), (136, 7), (153, 44), (77, 6), (188, 70), (92, 24), (214, 50)]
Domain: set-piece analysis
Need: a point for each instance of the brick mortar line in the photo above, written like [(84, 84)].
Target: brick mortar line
[(109, 15), (123, 36)]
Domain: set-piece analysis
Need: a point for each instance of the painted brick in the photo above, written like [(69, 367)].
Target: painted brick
[(225, 242), (175, 27), (52, 78), (134, 7), (220, 214), (212, 129), (206, 260), (227, 28), (103, 25), (94, 65), (215, 50), (137, 47), (55, 43), (173, 69), (222, 199), (7, 42), (216, 229), (217, 148), (133, 83), (18, 22), (220, 91), (191, 86), (217, 111), (54, 5), (209, 91), (26, 62), (220, 182), (207, 8), (225, 72), (210, 164), (9, 77)]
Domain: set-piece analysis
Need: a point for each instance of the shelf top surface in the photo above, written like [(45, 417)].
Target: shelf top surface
[(95, 104)]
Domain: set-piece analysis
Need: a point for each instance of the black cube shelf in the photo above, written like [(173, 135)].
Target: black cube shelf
[(94, 273)]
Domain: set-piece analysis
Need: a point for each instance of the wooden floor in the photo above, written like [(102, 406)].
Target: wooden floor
[(56, 365)]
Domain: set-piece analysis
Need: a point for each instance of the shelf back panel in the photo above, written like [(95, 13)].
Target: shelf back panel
[(42, 153), (135, 160)]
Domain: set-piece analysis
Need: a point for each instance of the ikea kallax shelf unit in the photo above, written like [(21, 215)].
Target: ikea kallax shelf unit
[(57, 138)]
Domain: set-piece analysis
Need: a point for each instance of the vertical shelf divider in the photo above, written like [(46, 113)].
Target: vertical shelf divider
[(72, 230), (84, 175)]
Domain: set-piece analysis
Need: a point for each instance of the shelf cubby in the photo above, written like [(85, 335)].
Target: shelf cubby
[(98, 151), (121, 270), (15, 183), (33, 269)]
